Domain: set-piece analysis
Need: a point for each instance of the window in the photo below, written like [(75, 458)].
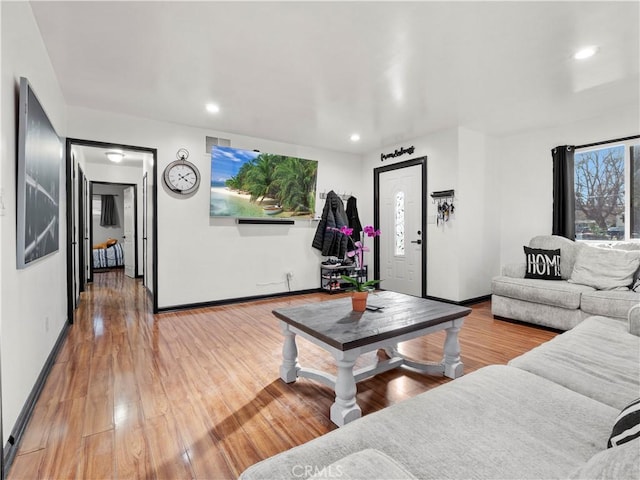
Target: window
[(399, 223), (607, 191), (96, 205)]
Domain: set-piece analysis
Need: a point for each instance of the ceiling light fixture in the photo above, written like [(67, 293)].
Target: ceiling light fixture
[(585, 52), (354, 137), (212, 108), (115, 157)]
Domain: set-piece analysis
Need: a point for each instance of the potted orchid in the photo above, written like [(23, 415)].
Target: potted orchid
[(360, 289)]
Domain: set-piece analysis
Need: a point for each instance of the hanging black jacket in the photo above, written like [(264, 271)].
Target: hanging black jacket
[(330, 242), (354, 219)]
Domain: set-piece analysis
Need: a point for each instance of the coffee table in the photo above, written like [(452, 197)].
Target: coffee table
[(346, 334)]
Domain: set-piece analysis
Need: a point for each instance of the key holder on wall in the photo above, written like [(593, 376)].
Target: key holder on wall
[(445, 199)]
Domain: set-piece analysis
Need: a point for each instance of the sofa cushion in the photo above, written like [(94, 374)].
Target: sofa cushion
[(542, 264), (627, 426), (537, 313), (621, 463), (496, 422), (609, 303), (568, 250), (559, 294), (605, 268), (365, 464), (598, 358), (634, 320)]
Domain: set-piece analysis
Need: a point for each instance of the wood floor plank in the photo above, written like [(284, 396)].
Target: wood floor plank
[(197, 393), (98, 456), (132, 455), (168, 455)]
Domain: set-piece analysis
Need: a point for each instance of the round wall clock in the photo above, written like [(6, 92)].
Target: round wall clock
[(181, 176)]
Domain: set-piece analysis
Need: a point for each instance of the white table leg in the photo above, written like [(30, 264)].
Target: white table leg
[(453, 366), (289, 368), (345, 409)]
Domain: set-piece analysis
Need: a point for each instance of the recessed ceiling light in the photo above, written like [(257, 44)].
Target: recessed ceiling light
[(115, 157), (354, 137), (212, 108), (585, 52)]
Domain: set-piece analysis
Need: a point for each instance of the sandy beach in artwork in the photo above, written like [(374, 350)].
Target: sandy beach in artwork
[(244, 196), (227, 202)]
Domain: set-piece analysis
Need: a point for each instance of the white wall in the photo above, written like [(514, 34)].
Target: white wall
[(525, 172), (478, 250), (29, 328), (202, 259)]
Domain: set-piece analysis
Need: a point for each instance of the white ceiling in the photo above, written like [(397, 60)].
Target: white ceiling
[(313, 73), (90, 154)]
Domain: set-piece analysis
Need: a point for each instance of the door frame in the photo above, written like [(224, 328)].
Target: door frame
[(422, 161), (135, 226), (82, 269), (70, 208)]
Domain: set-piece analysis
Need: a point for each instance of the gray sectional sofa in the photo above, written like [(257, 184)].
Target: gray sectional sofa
[(548, 414), (562, 304)]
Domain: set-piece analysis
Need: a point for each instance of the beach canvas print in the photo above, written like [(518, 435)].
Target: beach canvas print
[(250, 184)]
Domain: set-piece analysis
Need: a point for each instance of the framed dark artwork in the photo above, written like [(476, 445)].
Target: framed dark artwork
[(250, 184), (40, 159)]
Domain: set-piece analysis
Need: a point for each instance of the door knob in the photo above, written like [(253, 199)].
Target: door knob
[(419, 242)]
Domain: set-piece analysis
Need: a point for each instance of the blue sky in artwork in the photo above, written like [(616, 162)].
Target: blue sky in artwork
[(226, 162)]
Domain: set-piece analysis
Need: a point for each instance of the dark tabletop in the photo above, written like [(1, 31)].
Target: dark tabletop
[(335, 323)]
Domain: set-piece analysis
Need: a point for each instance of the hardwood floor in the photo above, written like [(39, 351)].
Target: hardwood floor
[(197, 394)]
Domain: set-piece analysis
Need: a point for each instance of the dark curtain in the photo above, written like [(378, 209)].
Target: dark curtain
[(108, 215), (564, 201), (354, 219)]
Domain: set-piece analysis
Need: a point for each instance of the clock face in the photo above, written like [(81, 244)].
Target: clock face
[(182, 177)]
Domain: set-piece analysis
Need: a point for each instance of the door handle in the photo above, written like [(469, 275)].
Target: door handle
[(419, 242)]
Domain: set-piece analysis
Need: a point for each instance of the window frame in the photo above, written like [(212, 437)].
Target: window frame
[(627, 143)]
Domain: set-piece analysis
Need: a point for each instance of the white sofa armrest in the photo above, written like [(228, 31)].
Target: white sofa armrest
[(634, 320), (514, 270)]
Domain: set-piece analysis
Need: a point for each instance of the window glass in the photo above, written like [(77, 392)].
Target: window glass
[(399, 224), (600, 193), (96, 205), (635, 191)]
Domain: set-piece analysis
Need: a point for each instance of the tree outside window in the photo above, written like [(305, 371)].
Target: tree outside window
[(601, 186)]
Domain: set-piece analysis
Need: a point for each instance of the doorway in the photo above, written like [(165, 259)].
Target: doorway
[(114, 220), (399, 211), (86, 164)]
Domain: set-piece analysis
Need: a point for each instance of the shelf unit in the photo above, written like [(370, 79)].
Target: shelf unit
[(331, 282)]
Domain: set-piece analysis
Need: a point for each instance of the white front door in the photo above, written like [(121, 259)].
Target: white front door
[(129, 233), (400, 197)]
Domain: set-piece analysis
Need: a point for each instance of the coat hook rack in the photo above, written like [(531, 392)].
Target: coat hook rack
[(344, 196), (446, 207)]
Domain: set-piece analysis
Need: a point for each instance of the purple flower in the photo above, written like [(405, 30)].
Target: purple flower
[(371, 232), (346, 230)]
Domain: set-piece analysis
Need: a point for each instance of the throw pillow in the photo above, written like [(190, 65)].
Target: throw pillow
[(542, 264), (627, 425), (605, 269)]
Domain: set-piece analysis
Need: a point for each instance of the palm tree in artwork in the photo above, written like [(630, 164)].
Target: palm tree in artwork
[(260, 177), (296, 180), (238, 182)]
